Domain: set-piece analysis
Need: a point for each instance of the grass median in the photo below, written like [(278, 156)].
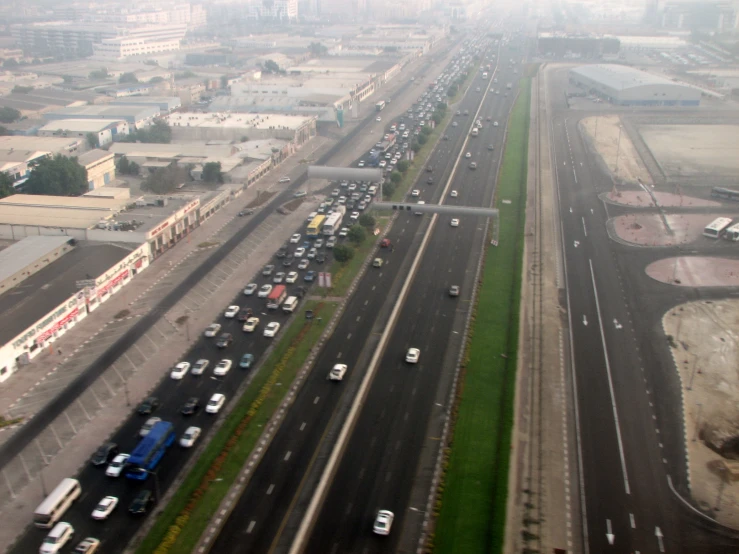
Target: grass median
[(471, 508), (184, 519)]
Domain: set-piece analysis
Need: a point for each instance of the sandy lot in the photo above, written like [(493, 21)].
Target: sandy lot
[(649, 229), (620, 157), (641, 199), (696, 271), (684, 150), (706, 352)]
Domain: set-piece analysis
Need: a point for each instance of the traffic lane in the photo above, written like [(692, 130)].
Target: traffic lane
[(398, 406)]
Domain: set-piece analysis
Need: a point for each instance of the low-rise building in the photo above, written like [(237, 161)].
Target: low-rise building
[(136, 116), (100, 166), (105, 131), (120, 48), (165, 104), (234, 126)]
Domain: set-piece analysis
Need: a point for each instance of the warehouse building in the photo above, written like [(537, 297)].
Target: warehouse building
[(626, 86)]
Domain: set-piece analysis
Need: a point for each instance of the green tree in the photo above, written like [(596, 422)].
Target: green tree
[(8, 115), (21, 89), (92, 140), (403, 166), (57, 176), (124, 166), (317, 49), (10, 63), (388, 189), (158, 133), (366, 220), (271, 66), (396, 178), (436, 118), (416, 147), (165, 180), (452, 91), (101, 73), (343, 253), (128, 78), (422, 139), (155, 80), (6, 185), (426, 131), (212, 172), (356, 234), (67, 79)]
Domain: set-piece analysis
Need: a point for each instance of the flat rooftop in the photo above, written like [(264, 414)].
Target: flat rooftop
[(35, 297), (42, 144), (80, 125), (81, 212), (26, 251), (237, 120)]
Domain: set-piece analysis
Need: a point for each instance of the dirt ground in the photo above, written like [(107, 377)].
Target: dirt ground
[(706, 352), (649, 229), (700, 150), (620, 156), (696, 271), (641, 199)]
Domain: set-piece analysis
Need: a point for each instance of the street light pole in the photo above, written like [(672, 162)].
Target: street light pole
[(618, 147)]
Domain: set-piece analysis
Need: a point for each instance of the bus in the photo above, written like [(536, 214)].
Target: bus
[(53, 507), (149, 451), (726, 194), (332, 225), (716, 227), (315, 226), (276, 297), (732, 233), (380, 105)]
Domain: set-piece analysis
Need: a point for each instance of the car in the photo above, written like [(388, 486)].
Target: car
[(189, 437), (291, 277), (454, 223), (459, 112), (466, 112), (148, 406), (420, 203), (272, 328), (354, 216), (412, 355), (378, 118), (142, 502), (415, 193), (318, 243), (383, 522), (106, 452), (299, 252), (212, 330), (446, 137), (299, 193), (304, 264), (250, 325), (382, 163), (454, 194), (264, 291), (284, 180), (377, 262), (200, 366), (191, 406), (88, 545), (311, 254), (488, 118), (279, 277), (224, 340), (146, 427), (288, 261), (222, 368), (309, 276), (337, 372), (495, 123), (320, 258), (430, 181), (331, 242), (281, 253), (473, 165), (215, 403), (491, 147), (105, 507), (295, 239), (250, 289), (468, 155), (242, 213), (267, 271), (180, 370), (361, 163), (344, 231), (244, 314), (454, 124), (246, 361), (115, 468)]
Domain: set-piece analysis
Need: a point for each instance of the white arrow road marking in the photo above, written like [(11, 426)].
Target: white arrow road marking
[(633, 521), (585, 320), (570, 210), (576, 243), (658, 534), (609, 532), (616, 324)]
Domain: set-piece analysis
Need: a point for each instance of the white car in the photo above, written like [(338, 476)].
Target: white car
[(415, 193), (454, 223), (200, 366), (250, 289), (271, 329), (180, 370), (454, 194), (337, 372), (304, 264), (189, 437), (344, 231), (222, 368), (495, 123), (264, 291), (299, 252), (284, 180), (231, 312), (354, 216), (291, 277), (215, 403), (312, 253), (105, 507), (115, 468), (335, 192), (331, 242), (295, 239), (146, 427), (468, 155), (378, 118), (250, 325), (279, 277), (412, 356), (383, 522), (212, 330)]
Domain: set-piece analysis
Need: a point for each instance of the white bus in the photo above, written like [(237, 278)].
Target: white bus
[(732, 233), (53, 507), (716, 227), (332, 225)]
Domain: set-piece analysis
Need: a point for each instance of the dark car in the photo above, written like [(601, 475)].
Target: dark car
[(320, 258), (299, 292), (224, 340), (244, 314), (246, 361), (191, 407), (242, 213), (148, 406), (105, 453), (288, 261), (430, 180), (309, 276), (281, 253), (141, 504)]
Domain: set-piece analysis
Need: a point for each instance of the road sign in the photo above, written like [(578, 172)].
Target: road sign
[(82, 283)]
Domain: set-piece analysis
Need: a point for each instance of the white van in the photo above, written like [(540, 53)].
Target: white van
[(60, 535), (290, 304)]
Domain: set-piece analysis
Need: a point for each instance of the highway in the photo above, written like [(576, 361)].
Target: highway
[(269, 510)]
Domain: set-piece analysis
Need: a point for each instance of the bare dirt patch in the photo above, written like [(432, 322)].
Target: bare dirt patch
[(641, 199), (263, 196), (696, 271), (705, 346), (649, 229)]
